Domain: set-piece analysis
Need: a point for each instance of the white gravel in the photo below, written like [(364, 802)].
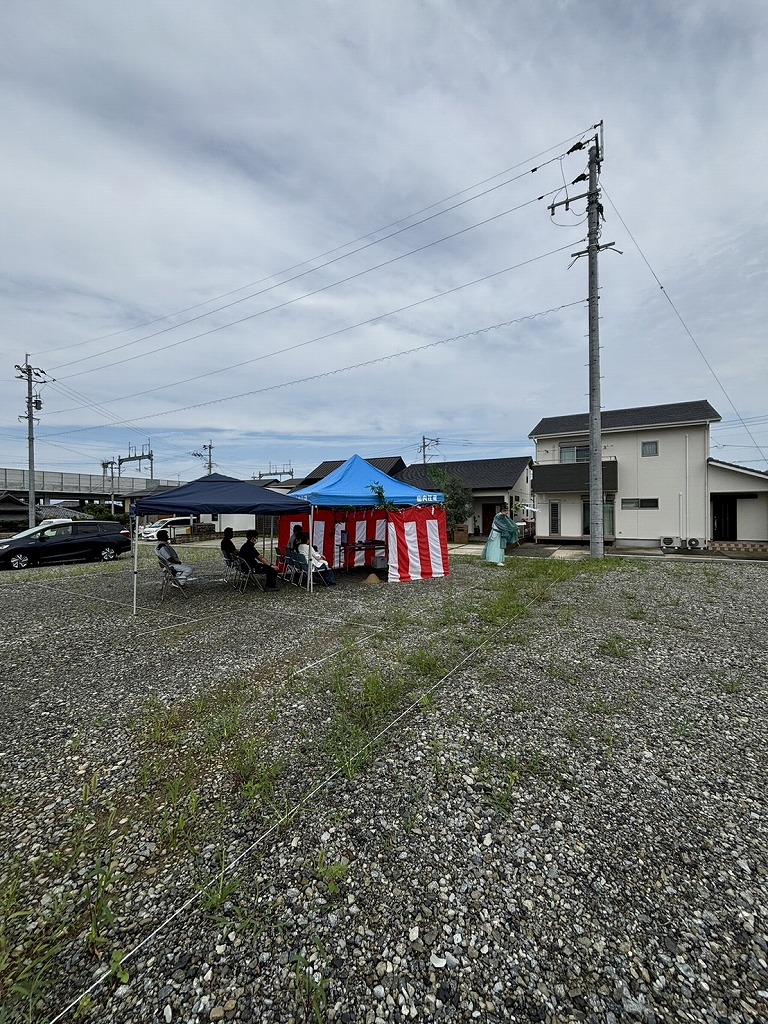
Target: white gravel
[(563, 818)]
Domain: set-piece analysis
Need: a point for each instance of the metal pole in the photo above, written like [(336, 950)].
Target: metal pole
[(596, 537), (31, 497)]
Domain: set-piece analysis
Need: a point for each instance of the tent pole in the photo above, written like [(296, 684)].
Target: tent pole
[(135, 557)]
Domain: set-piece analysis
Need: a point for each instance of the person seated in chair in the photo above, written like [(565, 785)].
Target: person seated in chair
[(316, 560), (181, 571), (293, 543), (228, 546), (256, 561)]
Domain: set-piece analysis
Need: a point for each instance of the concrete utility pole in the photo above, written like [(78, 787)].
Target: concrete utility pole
[(425, 443), (199, 455), (110, 465), (32, 374), (594, 212)]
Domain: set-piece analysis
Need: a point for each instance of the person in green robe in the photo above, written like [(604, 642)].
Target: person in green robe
[(503, 532)]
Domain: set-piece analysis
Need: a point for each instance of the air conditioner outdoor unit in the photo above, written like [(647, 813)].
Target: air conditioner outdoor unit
[(670, 542), (696, 543)]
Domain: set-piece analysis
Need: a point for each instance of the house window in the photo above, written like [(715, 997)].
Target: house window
[(649, 448), (574, 453), (628, 504), (554, 518)]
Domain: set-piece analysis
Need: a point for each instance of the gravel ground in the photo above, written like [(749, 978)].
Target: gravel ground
[(557, 814)]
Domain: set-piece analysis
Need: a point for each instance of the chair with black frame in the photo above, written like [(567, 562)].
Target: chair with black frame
[(283, 565), (245, 575)]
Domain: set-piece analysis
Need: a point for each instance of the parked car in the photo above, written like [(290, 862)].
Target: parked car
[(174, 525), (65, 540)]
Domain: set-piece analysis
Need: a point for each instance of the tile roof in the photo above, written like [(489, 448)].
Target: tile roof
[(478, 474), (622, 419)]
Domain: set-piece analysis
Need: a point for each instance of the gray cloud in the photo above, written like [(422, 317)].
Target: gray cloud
[(163, 154)]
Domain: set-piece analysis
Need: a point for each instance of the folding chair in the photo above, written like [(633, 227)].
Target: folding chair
[(283, 566), (168, 580), (303, 567), (247, 575), (231, 568)]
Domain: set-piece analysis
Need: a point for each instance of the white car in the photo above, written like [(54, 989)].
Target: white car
[(174, 525)]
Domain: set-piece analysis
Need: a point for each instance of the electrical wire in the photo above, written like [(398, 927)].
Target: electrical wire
[(354, 241), (315, 291), (341, 369), (686, 328), (332, 334)]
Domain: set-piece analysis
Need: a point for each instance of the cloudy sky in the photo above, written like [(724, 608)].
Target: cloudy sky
[(298, 229)]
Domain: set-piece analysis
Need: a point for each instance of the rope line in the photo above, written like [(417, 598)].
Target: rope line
[(290, 814)]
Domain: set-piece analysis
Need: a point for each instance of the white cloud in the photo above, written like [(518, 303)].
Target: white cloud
[(163, 154)]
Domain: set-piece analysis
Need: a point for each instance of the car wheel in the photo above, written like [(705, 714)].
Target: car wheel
[(108, 554), (19, 561)]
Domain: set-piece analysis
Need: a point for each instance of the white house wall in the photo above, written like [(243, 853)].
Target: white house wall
[(676, 477)]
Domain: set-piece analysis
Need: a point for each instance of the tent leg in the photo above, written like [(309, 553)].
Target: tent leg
[(135, 558)]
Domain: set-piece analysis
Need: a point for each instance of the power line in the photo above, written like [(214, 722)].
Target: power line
[(315, 291), (330, 252), (686, 328), (333, 334), (341, 369)]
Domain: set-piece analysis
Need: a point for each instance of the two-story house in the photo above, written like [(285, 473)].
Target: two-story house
[(659, 484)]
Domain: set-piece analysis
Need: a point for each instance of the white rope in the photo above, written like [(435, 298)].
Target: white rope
[(288, 815)]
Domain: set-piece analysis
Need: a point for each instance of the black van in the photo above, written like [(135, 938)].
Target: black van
[(65, 540)]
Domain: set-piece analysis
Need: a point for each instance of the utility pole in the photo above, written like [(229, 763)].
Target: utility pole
[(594, 212), (110, 465), (426, 442), (199, 455), (32, 375)]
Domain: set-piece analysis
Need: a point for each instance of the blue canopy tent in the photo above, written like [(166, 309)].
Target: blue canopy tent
[(211, 494), (350, 486)]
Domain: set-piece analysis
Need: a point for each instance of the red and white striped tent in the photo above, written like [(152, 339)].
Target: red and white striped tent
[(351, 531)]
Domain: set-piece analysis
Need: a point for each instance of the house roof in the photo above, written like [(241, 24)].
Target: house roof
[(11, 502), (479, 474), (621, 419), (59, 512), (391, 465), (739, 469)]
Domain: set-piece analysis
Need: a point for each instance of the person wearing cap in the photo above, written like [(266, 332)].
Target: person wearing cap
[(503, 532), (164, 551)]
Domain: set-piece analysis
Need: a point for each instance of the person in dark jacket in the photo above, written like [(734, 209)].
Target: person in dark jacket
[(257, 562), (228, 546)]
